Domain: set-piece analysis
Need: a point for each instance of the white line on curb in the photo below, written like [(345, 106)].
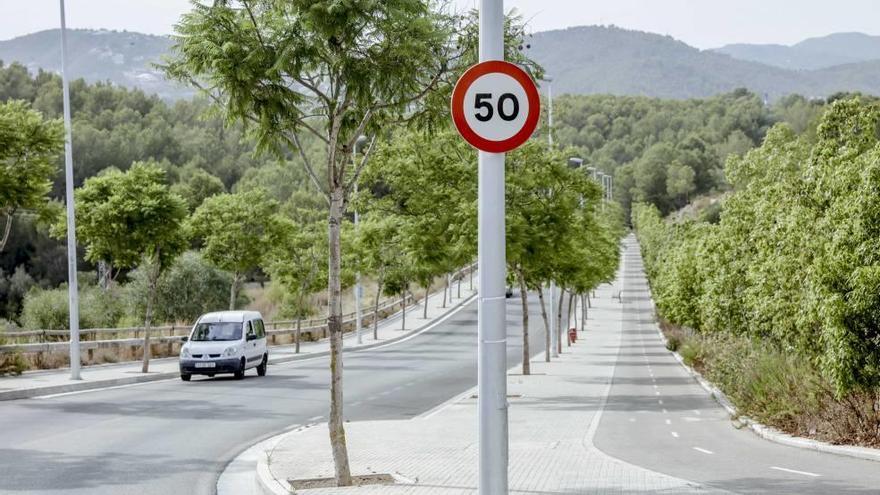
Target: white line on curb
[(795, 471)]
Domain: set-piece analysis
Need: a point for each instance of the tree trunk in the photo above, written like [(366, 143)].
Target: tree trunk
[(589, 303), (152, 282), (403, 312), (583, 312), (334, 326), (425, 302), (546, 325), (296, 335), (105, 272), (379, 285), (524, 294), (233, 291), (472, 278), (445, 289), (459, 286), (558, 316), (568, 316), (6, 230)]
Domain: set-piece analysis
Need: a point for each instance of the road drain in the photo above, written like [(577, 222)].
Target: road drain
[(363, 480)]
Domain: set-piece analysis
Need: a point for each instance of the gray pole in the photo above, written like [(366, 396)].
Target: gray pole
[(72, 289), (358, 290), (491, 331), (553, 336)]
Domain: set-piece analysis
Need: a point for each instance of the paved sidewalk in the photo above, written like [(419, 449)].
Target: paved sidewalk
[(554, 414), (50, 382)]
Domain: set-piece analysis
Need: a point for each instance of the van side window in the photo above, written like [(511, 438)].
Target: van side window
[(250, 328), (261, 329)]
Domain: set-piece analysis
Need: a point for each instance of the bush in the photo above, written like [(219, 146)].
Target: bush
[(12, 363), (189, 288), (47, 309)]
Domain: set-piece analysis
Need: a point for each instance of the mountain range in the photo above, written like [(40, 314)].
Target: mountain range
[(582, 60)]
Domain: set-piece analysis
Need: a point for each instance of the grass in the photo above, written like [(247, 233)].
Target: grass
[(780, 388)]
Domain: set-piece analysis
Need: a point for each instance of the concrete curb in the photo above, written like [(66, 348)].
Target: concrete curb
[(766, 432), (152, 377)]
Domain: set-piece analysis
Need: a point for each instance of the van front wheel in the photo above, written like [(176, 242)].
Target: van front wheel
[(239, 374), (261, 368)]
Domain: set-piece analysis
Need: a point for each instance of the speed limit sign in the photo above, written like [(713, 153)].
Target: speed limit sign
[(495, 106)]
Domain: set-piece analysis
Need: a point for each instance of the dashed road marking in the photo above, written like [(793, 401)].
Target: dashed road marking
[(675, 434), (795, 471), (669, 421), (660, 401), (698, 449)]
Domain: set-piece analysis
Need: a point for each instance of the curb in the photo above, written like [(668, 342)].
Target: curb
[(132, 380), (766, 432)]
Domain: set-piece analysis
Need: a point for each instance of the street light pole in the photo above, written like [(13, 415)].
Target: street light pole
[(357, 277), (491, 330), (72, 286), (553, 336)]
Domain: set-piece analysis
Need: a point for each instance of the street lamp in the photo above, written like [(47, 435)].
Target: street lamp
[(358, 144), (553, 336), (72, 286)]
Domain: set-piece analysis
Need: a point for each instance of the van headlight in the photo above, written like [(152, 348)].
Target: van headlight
[(185, 352), (230, 351)]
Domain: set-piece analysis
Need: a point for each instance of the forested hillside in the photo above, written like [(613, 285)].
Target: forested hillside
[(611, 60), (666, 152), (810, 54), (782, 292)]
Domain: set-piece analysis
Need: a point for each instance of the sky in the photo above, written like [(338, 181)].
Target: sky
[(700, 23)]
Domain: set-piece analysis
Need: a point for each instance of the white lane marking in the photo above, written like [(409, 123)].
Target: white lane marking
[(795, 471), (315, 418), (669, 421), (675, 434), (632, 420), (698, 449), (691, 419), (657, 393), (665, 411), (655, 386), (660, 401), (100, 389)]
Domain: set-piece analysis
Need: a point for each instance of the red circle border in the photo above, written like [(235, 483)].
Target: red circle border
[(457, 104)]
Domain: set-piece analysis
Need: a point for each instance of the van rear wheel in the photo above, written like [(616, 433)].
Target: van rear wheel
[(261, 368)]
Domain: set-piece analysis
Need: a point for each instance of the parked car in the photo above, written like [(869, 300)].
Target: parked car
[(225, 342)]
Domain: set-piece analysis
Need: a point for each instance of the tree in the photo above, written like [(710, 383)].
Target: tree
[(132, 219), (295, 260), (235, 230), (28, 148), (335, 70)]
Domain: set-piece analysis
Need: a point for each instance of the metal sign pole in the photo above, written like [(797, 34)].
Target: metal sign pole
[(72, 289), (492, 334)]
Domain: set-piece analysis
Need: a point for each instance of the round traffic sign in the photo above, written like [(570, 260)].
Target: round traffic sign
[(495, 106)]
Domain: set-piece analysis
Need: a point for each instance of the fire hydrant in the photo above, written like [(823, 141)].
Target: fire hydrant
[(572, 335)]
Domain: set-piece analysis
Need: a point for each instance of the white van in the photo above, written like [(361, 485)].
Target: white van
[(225, 342)]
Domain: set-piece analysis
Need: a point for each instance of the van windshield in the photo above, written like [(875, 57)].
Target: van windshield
[(216, 331)]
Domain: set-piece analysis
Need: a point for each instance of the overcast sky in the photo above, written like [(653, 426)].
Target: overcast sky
[(701, 23)]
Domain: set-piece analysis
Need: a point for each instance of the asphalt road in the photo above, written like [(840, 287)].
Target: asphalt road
[(175, 437), (659, 418)]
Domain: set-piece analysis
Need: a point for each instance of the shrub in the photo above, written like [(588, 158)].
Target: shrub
[(189, 288), (47, 309)]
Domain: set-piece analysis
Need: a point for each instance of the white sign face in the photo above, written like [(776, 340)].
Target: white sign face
[(496, 106)]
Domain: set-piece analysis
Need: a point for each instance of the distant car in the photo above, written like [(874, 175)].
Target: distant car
[(509, 292), (225, 342)]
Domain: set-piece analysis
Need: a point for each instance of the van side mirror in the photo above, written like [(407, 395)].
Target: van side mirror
[(185, 338)]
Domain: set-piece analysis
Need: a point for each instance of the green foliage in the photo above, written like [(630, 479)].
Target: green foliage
[(235, 230), (123, 217), (47, 309), (189, 288), (793, 259), (297, 261), (198, 186), (28, 147)]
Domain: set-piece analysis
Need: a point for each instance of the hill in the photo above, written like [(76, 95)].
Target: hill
[(600, 59), (810, 54), (122, 57), (583, 60)]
